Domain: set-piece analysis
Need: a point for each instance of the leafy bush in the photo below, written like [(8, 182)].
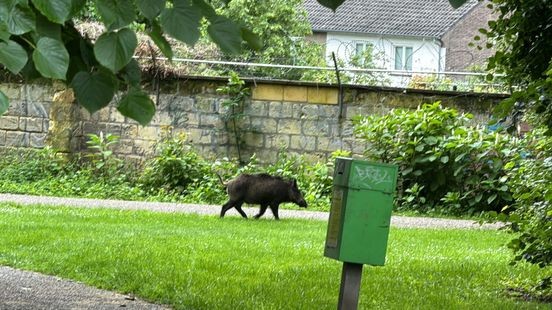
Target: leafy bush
[(30, 165), (531, 182), (445, 164), (174, 167)]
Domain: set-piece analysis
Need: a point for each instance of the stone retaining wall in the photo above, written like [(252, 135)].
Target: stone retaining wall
[(302, 118)]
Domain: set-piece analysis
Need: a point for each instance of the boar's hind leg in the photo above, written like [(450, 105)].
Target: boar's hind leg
[(226, 207), (238, 207), (261, 211), (274, 209)]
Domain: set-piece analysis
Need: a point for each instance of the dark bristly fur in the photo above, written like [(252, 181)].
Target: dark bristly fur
[(262, 189)]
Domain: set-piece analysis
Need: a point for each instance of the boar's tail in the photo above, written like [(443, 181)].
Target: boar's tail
[(221, 180)]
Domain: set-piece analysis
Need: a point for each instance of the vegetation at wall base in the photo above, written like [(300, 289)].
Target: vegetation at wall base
[(203, 262)]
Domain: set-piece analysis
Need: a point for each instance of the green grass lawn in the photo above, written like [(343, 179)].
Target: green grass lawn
[(198, 262)]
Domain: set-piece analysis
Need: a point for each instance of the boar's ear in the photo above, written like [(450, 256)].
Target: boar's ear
[(294, 183)]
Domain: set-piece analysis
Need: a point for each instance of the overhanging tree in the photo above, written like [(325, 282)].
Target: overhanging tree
[(38, 39)]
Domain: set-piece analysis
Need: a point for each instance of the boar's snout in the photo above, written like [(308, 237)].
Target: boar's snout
[(302, 203)]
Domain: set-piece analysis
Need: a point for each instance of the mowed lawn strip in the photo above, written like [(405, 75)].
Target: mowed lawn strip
[(203, 262)]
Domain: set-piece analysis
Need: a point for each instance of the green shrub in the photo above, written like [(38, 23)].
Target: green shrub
[(531, 182), (174, 167), (445, 164), (27, 165)]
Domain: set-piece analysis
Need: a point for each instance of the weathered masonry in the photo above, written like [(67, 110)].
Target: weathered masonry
[(304, 118)]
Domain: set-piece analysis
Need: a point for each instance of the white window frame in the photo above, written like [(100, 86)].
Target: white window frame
[(403, 57)]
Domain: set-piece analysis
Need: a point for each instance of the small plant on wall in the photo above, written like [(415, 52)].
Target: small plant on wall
[(237, 93)]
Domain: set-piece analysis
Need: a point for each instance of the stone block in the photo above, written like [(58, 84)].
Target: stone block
[(93, 128), (9, 122), (280, 109), (310, 111), (161, 118), (210, 120), (31, 124), (181, 103), (199, 136), (277, 141), (37, 140), (329, 111), (256, 108), (253, 139), (315, 128), (289, 126), (265, 125), (329, 144), (295, 93), (17, 139), (16, 108), (207, 104), (150, 133), (129, 130), (268, 92), (40, 109), (303, 143), (2, 137), (323, 95)]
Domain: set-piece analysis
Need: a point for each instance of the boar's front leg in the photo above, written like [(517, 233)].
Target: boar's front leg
[(274, 209), (261, 211)]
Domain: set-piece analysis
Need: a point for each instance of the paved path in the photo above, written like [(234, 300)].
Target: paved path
[(30, 290)]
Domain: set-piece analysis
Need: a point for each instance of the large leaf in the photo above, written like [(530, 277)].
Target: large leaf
[(332, 4), (57, 11), (21, 20), (4, 34), (137, 105), (94, 91), (116, 13), (457, 3), (51, 58), (114, 50), (132, 73), (252, 39), (4, 103), (150, 8), (182, 21), (156, 34), (226, 34), (46, 28), (13, 56)]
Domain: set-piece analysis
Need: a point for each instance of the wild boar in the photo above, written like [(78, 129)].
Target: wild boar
[(262, 189)]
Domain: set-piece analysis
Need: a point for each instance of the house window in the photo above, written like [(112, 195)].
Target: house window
[(403, 58), (363, 50)]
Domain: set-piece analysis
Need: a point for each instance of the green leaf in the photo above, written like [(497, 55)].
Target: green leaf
[(94, 91), (137, 105), (332, 4), (491, 198), (132, 73), (116, 14), (457, 3), (4, 34), (253, 40), (4, 103), (13, 56), (156, 34), (182, 22), (57, 11), (226, 34), (51, 58), (46, 28), (21, 20), (444, 159), (150, 8), (114, 50)]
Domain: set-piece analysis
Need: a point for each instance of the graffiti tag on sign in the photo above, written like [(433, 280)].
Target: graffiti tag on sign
[(370, 176)]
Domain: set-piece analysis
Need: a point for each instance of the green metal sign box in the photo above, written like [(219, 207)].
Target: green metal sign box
[(360, 213)]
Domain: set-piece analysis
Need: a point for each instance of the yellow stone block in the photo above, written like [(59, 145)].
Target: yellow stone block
[(268, 92), (322, 95), (295, 93)]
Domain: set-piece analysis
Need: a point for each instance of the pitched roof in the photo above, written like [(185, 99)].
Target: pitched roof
[(418, 18)]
